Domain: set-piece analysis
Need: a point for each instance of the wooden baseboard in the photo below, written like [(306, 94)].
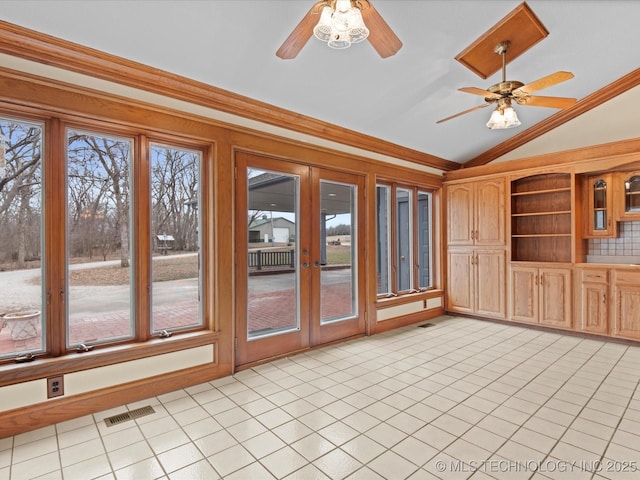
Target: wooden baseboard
[(41, 415), (407, 320)]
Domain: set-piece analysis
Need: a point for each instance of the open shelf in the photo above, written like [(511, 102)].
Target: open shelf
[(541, 218)]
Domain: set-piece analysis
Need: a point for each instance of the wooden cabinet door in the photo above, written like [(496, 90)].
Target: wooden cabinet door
[(524, 294), (600, 195), (627, 305), (460, 225), (628, 195), (490, 213), (594, 307), (555, 297), (460, 284), (490, 283)]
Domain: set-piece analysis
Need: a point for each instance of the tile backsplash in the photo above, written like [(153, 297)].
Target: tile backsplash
[(627, 243)]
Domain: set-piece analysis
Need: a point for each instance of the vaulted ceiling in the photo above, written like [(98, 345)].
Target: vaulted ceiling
[(232, 45)]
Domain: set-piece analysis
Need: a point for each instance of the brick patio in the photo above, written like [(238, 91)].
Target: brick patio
[(272, 310)]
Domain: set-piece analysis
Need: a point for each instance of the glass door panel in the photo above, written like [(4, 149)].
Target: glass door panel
[(272, 297), (273, 300), (338, 292)]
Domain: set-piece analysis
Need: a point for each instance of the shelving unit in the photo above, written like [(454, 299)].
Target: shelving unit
[(541, 218)]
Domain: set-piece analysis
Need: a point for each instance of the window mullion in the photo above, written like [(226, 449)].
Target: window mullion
[(141, 250), (55, 236)]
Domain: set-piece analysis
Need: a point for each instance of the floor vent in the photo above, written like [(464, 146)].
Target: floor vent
[(426, 325), (126, 416)]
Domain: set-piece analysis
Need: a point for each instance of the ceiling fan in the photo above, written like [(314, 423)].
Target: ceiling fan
[(340, 23), (506, 91)]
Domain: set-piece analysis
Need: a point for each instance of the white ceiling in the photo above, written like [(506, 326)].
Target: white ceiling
[(232, 44)]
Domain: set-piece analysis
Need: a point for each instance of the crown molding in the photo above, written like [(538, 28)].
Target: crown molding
[(597, 98), (45, 49)]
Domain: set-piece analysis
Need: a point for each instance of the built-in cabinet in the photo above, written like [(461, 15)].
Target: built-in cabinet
[(541, 295), (476, 255), (539, 261)]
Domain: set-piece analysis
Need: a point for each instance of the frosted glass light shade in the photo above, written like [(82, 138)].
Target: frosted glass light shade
[(339, 40), (341, 27), (323, 29), (506, 119)]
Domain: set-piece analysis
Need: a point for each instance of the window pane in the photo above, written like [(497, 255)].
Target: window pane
[(99, 299), (383, 239), (338, 247), (424, 240), (21, 252), (175, 230), (404, 243)]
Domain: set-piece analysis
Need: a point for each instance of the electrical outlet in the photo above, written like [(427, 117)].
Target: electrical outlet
[(55, 386)]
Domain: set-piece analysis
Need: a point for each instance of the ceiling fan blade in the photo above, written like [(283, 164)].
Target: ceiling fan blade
[(541, 83), (481, 92), (382, 38), (551, 102), (301, 34), (462, 113)]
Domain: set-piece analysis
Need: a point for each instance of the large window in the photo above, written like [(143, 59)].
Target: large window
[(404, 253), (120, 258)]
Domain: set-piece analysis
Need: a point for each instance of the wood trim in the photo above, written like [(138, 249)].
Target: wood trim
[(410, 319), (521, 27), (46, 367), (65, 408), (38, 47), (608, 155), (597, 98)]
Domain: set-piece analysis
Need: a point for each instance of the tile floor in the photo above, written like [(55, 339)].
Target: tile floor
[(461, 399)]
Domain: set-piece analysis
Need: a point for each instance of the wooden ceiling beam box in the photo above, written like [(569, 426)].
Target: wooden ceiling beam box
[(521, 27)]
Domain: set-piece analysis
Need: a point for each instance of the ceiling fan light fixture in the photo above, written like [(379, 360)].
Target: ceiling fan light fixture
[(503, 117), (341, 24)]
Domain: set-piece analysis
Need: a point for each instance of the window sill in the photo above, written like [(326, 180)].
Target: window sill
[(403, 298), (43, 367)]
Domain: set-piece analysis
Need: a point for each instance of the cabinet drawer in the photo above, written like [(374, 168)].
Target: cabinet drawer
[(627, 276), (595, 275)]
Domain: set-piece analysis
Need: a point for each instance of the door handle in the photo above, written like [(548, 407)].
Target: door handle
[(305, 265)]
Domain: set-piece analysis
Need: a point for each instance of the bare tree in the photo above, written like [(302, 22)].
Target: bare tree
[(175, 183), (20, 190), (98, 175)]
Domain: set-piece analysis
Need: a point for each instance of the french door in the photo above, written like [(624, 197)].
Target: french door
[(299, 278)]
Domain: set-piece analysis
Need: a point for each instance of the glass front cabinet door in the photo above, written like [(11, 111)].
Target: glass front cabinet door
[(600, 222), (628, 196)]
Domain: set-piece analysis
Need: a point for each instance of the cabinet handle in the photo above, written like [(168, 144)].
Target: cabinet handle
[(542, 279), (594, 276), (473, 234), (604, 298), (536, 279)]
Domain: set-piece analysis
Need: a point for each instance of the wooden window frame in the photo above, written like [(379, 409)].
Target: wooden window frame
[(55, 357), (414, 190)]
